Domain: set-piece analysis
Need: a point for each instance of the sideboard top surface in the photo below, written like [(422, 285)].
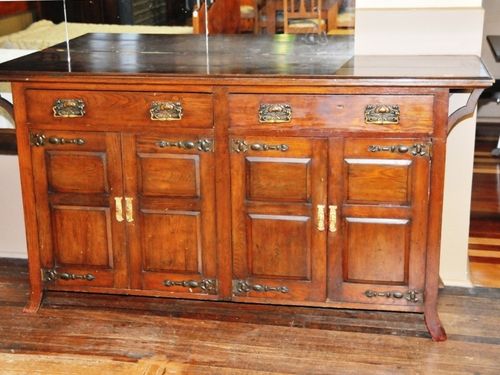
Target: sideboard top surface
[(108, 57)]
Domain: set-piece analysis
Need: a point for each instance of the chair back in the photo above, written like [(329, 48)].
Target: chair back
[(303, 16)]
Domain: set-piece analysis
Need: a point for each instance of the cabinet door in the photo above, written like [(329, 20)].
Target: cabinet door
[(378, 200), (77, 175), (169, 182), (278, 188)]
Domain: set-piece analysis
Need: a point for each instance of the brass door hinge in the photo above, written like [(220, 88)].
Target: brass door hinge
[(243, 287), (208, 286)]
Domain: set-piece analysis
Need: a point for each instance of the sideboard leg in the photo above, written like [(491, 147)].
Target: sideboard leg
[(34, 302), (433, 324)]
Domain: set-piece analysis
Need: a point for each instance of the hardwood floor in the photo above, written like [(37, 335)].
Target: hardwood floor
[(99, 334), (484, 240)]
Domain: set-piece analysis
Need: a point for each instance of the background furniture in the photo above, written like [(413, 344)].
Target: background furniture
[(293, 178), (493, 94), (303, 17), (249, 18)]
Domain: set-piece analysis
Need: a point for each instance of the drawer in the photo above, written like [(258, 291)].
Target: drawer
[(116, 108), (343, 112)]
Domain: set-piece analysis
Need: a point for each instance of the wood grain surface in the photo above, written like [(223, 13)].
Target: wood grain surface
[(189, 337)]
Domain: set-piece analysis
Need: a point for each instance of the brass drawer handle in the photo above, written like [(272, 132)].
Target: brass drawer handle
[(273, 113), (69, 108), (382, 114), (166, 111), (332, 219), (320, 217)]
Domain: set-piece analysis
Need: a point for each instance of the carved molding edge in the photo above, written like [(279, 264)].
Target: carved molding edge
[(464, 111)]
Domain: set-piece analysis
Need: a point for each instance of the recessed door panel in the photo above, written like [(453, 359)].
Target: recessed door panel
[(77, 172), (169, 175), (181, 253), (377, 250), (278, 179), (378, 181), (279, 246), (82, 235)]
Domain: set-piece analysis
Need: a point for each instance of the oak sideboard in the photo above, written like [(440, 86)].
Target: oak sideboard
[(252, 169)]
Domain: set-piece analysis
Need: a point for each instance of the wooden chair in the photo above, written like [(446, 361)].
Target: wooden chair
[(303, 17)]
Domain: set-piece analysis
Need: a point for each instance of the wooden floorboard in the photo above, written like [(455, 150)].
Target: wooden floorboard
[(139, 335), (484, 234)]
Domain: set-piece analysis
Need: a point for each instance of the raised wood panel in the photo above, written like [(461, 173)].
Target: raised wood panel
[(378, 181), (82, 236), (178, 249), (77, 172), (169, 175), (376, 250), (279, 246), (119, 109), (278, 179), (313, 111)]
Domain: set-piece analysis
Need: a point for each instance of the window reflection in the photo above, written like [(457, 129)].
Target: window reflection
[(44, 18)]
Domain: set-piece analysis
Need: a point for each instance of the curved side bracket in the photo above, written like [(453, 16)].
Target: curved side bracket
[(9, 108), (7, 136), (464, 111)]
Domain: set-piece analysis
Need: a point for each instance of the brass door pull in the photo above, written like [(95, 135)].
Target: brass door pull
[(320, 217), (129, 209), (332, 219), (118, 209)]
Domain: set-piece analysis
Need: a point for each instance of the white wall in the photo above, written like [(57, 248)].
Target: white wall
[(12, 235), (434, 27)]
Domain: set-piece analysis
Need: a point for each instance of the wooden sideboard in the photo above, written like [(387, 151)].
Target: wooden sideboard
[(262, 170)]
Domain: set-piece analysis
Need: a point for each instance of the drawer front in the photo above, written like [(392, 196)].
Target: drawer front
[(114, 108), (343, 112)]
